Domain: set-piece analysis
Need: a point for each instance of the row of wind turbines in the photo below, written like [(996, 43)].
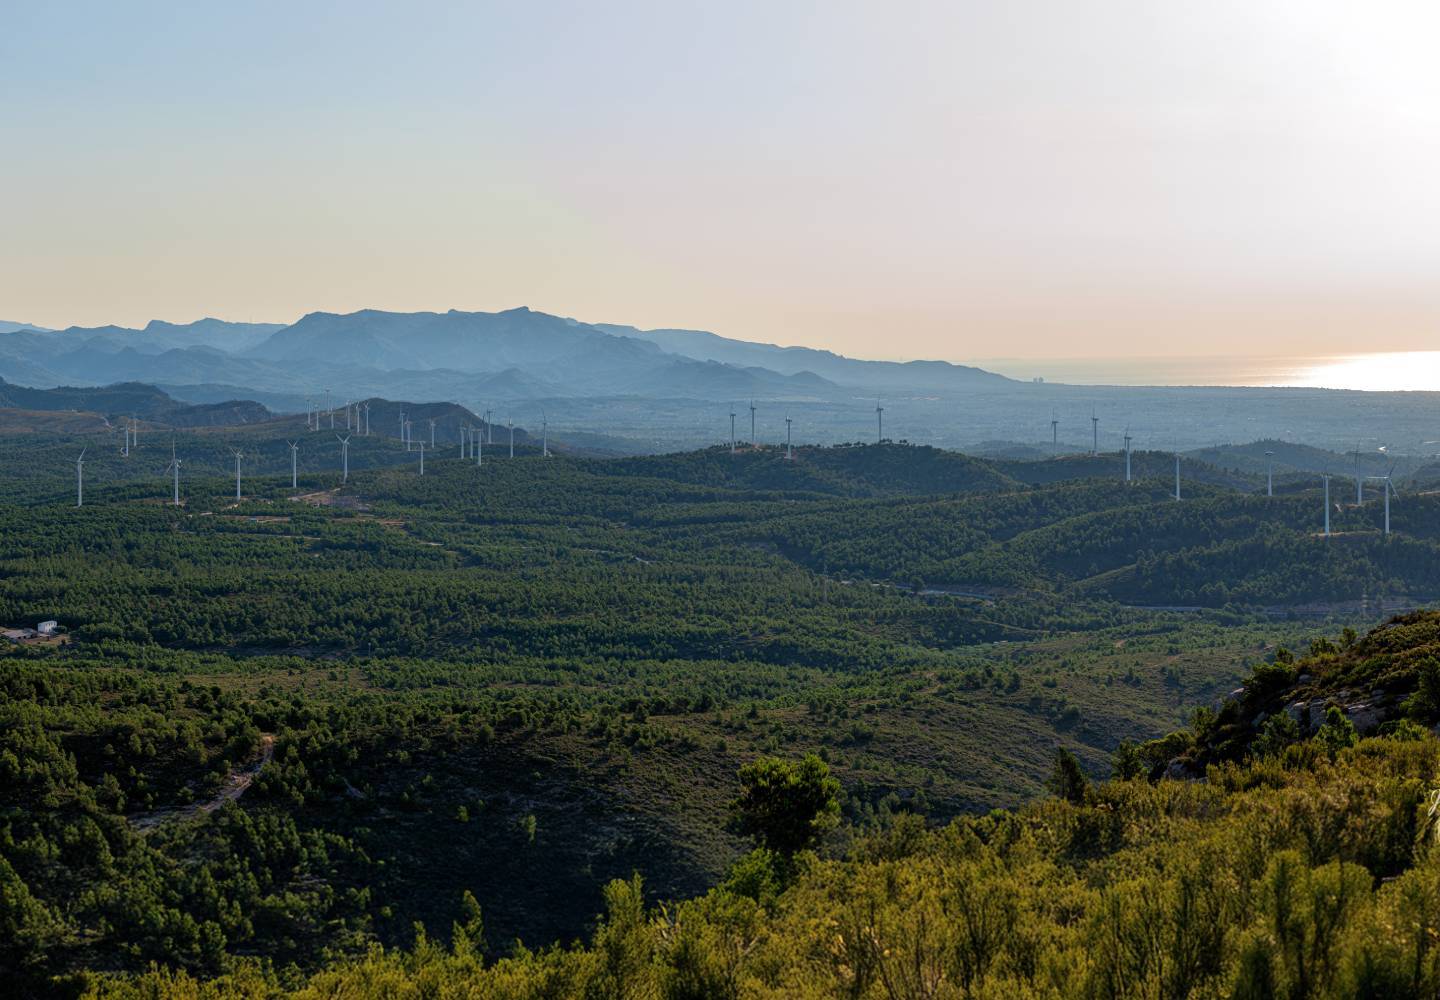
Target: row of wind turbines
[(753, 442), (1389, 490), (1360, 479), (473, 441)]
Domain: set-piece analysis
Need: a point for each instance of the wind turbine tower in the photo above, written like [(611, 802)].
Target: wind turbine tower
[(367, 420), (1326, 478), (125, 451), (1269, 473), (1128, 439), (879, 423), (789, 453), (544, 435), (1389, 488), (422, 456), (489, 428), (732, 430), (511, 424), (175, 470), (1094, 434), (344, 457), (479, 447), (1054, 433), (1177, 476), (464, 441), (238, 455), (752, 423), (432, 432), (80, 479), (294, 464)]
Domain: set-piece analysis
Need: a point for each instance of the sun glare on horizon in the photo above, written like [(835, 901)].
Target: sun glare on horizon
[(1390, 371)]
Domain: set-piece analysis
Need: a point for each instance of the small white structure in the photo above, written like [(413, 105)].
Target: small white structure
[(48, 628)]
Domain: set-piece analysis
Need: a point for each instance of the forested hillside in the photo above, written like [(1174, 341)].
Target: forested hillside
[(1307, 867), (288, 728)]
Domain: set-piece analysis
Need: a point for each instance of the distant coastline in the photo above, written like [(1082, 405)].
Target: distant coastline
[(1379, 371)]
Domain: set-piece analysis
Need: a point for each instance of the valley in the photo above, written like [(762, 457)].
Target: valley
[(525, 678)]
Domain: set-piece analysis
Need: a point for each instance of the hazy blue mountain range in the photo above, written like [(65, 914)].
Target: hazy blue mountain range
[(628, 389), (537, 353), (795, 360), (514, 355)]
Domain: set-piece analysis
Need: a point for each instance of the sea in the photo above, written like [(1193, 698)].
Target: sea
[(1390, 371)]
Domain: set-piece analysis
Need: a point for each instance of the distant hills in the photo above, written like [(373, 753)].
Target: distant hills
[(70, 410), (625, 390), (127, 399), (514, 355), (835, 368)]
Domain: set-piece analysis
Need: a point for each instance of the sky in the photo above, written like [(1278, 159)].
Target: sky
[(956, 180)]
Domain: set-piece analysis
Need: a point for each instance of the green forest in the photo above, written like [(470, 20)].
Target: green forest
[(881, 721)]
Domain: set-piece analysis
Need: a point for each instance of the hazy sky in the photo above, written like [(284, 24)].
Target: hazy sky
[(955, 180)]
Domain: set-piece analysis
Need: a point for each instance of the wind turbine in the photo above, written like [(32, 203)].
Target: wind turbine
[(511, 424), (752, 423), (347, 414), (879, 423), (1177, 476), (732, 430), (432, 432), (422, 456), (238, 455), (1325, 476), (1128, 439), (367, 419), (464, 441), (134, 433), (402, 431), (125, 451), (1269, 473), (544, 435), (294, 456), (1054, 433), (174, 467), (330, 408), (1094, 433), (489, 428), (344, 457), (789, 453), (1389, 489), (409, 437), (80, 478), (479, 447)]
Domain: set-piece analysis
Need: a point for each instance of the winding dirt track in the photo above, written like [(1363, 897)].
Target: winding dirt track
[(235, 785), (238, 781)]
